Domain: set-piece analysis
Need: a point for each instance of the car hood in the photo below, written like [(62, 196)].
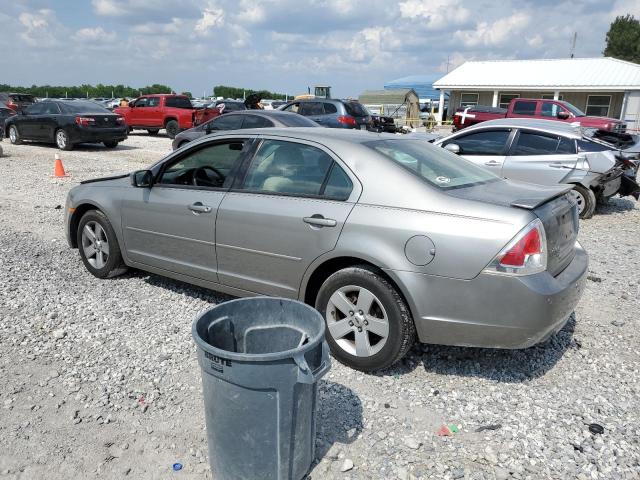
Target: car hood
[(596, 120), (510, 193)]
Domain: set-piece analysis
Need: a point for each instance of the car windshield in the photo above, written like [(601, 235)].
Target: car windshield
[(435, 165), (80, 106), (573, 109)]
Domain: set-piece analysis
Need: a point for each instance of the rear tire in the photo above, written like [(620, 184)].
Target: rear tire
[(98, 246), (153, 131), (63, 142), (111, 144), (14, 135), (172, 128), (340, 301), (586, 201)]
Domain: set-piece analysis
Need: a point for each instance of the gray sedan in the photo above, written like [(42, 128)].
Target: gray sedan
[(390, 239), (243, 119)]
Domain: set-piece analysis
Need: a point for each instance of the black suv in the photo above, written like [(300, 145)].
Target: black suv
[(332, 113)]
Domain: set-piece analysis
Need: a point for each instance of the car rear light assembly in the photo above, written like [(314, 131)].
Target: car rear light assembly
[(347, 120), (526, 254), (85, 121)]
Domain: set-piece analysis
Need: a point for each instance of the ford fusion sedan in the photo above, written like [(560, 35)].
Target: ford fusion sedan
[(390, 239), (66, 124)]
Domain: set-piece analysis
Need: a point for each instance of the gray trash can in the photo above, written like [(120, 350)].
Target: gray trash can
[(261, 359)]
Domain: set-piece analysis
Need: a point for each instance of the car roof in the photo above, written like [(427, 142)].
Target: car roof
[(551, 126)]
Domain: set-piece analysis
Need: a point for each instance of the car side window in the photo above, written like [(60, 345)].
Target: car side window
[(549, 109), (36, 108), (530, 143), (255, 121), (210, 166), (288, 168), (488, 142), (522, 107), (153, 102), (227, 122), (311, 108), (339, 184), (294, 107), (330, 108), (142, 102), (51, 109)]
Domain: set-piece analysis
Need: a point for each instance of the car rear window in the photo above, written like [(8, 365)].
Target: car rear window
[(22, 98), (78, 106), (436, 166), (356, 109), (178, 102)]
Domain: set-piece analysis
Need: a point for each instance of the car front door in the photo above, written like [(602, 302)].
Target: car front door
[(171, 225), (289, 209), (486, 148), (137, 111), (540, 158)]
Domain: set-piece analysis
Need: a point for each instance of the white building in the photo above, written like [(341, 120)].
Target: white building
[(598, 86)]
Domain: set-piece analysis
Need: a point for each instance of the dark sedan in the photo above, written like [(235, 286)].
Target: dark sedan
[(66, 124), (241, 120)]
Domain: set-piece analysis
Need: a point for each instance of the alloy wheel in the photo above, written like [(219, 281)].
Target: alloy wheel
[(61, 139), (577, 196), (357, 321), (95, 245), (13, 134)]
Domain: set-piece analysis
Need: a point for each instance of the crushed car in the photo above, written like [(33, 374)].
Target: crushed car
[(548, 153)]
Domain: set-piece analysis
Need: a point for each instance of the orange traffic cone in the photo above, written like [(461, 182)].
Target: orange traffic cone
[(58, 169)]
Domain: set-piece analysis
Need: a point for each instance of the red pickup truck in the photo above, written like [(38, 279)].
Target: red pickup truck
[(171, 112), (535, 108)]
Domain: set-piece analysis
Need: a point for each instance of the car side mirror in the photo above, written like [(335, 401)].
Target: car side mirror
[(563, 115), (142, 179), (453, 148)]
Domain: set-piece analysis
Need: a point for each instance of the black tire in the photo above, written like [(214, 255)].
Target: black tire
[(111, 144), (402, 332), (172, 128), (588, 200), (153, 131), (14, 135), (114, 264), (63, 142), (0, 151)]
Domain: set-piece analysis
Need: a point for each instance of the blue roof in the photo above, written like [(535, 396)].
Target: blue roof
[(422, 84)]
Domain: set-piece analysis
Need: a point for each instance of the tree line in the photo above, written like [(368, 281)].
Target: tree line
[(90, 91), (237, 92), (623, 39)]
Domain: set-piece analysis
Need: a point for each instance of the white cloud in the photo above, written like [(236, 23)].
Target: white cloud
[(438, 14), (173, 28), (211, 18), (496, 33), (40, 28), (95, 35)]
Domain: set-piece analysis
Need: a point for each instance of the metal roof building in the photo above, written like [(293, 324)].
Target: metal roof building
[(599, 86), (421, 84)]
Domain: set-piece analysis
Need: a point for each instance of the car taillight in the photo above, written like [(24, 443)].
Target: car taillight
[(85, 121), (526, 254), (13, 106), (347, 120)]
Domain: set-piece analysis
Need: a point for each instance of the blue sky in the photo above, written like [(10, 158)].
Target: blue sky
[(284, 45)]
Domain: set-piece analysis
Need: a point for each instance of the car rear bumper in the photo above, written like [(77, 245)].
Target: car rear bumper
[(494, 311), (99, 135)]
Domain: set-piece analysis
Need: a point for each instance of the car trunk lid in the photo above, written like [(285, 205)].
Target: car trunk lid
[(102, 121)]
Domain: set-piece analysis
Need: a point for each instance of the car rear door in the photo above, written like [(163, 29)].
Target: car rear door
[(486, 148), (28, 123), (539, 157), (49, 121), (289, 209), (171, 226), (314, 111)]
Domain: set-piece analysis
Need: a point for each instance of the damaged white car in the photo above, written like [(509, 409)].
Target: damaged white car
[(598, 164)]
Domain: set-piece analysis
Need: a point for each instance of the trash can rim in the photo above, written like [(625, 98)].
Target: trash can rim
[(260, 357)]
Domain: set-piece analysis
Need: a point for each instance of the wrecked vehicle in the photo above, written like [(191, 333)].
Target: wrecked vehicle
[(547, 153), (391, 239)]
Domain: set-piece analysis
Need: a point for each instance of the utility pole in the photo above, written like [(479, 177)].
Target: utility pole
[(573, 43), (448, 62)]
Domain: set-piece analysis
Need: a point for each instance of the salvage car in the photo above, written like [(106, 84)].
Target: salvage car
[(548, 153), (332, 113), (17, 101), (390, 239), (66, 124), (242, 120)]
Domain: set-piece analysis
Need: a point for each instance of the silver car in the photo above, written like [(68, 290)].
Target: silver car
[(391, 239), (548, 153)]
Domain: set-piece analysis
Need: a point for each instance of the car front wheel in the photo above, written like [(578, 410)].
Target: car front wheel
[(369, 326), (14, 135), (98, 246)]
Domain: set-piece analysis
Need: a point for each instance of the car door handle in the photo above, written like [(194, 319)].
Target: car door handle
[(320, 221), (492, 163), (198, 207)]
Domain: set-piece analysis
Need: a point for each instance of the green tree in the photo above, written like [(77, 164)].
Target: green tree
[(623, 39), (239, 92), (187, 94)]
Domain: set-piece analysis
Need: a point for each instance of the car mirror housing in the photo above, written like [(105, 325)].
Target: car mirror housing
[(453, 148), (562, 115), (142, 179)]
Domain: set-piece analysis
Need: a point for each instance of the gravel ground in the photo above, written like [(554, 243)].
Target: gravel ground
[(100, 378)]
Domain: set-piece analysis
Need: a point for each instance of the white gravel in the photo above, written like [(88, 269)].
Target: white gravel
[(100, 378)]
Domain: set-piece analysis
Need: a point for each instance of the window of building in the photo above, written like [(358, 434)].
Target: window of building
[(549, 96), (598, 105), (468, 100), (505, 99)]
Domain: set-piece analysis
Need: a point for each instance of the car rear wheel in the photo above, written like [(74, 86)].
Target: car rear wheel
[(369, 326), (111, 144), (14, 135), (586, 200), (62, 140), (153, 131), (172, 128), (98, 246)]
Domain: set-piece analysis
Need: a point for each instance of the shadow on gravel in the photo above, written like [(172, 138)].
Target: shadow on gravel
[(193, 291), (616, 205), (83, 147), (510, 366), (142, 133), (339, 417)]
